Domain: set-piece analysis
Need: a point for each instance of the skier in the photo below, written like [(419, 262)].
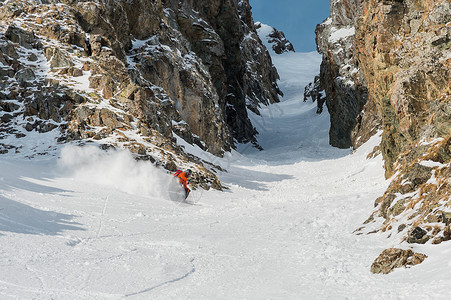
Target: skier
[(184, 180)]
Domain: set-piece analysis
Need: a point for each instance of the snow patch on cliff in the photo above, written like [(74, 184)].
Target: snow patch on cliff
[(342, 33)]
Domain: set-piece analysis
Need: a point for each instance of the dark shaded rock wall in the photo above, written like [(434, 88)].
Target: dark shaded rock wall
[(244, 78), (341, 77)]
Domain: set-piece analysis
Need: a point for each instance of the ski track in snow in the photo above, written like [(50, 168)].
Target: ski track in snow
[(283, 229)]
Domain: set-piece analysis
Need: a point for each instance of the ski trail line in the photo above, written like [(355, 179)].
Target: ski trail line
[(103, 214), (193, 269)]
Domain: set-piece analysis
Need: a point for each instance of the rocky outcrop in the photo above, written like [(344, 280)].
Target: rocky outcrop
[(316, 93), (136, 74), (279, 43), (393, 258), (398, 58), (254, 56)]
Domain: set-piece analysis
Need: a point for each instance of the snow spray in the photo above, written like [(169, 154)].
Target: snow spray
[(115, 169)]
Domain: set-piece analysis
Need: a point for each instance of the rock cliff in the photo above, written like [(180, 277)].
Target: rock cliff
[(134, 74), (340, 77), (386, 67), (404, 47)]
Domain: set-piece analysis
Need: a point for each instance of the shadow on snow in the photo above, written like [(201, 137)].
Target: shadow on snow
[(22, 218), (251, 179), (292, 132)]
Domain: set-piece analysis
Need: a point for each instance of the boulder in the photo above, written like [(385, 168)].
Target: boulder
[(25, 75), (393, 258), (171, 166), (418, 236), (419, 174), (24, 38), (32, 57), (57, 58), (6, 118), (109, 119)]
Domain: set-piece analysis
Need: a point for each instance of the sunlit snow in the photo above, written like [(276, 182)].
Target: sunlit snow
[(94, 225)]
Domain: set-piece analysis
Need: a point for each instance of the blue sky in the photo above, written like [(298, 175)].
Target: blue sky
[(296, 18)]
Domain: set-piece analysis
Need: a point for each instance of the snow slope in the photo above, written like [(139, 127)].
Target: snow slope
[(101, 226)]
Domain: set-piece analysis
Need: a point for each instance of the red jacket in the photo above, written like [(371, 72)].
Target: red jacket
[(183, 179)]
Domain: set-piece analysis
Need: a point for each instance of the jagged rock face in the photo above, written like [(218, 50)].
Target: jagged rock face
[(235, 62), (404, 51), (132, 73), (401, 54), (255, 55), (341, 77)]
